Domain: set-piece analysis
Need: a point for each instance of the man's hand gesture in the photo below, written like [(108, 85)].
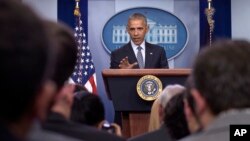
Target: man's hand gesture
[(124, 64)]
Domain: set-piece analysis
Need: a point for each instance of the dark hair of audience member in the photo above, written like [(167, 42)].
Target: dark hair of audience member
[(87, 109), (174, 119), (226, 75), (62, 35), (26, 59)]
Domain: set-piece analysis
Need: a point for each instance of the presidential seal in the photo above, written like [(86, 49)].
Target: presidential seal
[(149, 87)]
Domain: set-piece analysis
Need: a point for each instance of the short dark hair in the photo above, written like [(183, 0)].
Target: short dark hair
[(221, 74), (24, 59), (136, 16), (87, 109), (64, 40), (174, 118)]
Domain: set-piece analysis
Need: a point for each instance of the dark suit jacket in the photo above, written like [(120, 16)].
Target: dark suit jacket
[(38, 134), (155, 56), (157, 135), (57, 123), (219, 129)]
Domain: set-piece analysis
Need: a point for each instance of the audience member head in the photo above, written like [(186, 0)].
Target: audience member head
[(221, 76), (157, 110), (87, 109), (154, 119), (26, 60), (65, 43), (63, 36), (167, 93), (174, 118)]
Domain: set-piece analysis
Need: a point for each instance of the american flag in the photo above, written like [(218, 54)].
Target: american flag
[(84, 71)]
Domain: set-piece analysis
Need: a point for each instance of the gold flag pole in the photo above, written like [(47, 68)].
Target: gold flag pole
[(210, 13), (77, 9)]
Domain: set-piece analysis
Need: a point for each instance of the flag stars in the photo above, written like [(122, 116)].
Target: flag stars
[(81, 67), (84, 69), (79, 80), (79, 73), (79, 41), (91, 66), (85, 73)]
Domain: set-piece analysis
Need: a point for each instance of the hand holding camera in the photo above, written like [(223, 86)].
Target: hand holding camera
[(112, 128)]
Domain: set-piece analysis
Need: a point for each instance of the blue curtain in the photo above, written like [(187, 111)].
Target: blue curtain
[(222, 19)]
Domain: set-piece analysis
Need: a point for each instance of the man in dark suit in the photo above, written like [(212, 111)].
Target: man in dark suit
[(146, 56)]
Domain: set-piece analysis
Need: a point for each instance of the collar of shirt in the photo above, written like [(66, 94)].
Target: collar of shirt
[(134, 46)]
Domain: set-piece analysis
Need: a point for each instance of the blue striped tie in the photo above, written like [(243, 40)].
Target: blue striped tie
[(139, 57)]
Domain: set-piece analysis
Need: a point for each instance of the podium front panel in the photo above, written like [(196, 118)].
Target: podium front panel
[(123, 92)]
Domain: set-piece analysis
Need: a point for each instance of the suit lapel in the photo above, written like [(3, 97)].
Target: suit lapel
[(148, 55)]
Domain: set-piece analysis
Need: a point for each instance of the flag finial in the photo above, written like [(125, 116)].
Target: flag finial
[(77, 9), (210, 13)]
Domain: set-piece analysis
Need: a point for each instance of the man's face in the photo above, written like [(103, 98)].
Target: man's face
[(137, 30)]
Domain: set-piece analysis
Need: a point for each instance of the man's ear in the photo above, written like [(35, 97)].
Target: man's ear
[(187, 110), (192, 122), (199, 101), (44, 100)]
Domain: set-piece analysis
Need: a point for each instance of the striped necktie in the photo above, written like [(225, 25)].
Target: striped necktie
[(139, 57)]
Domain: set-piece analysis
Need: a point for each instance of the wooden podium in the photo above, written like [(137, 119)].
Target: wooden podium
[(120, 86)]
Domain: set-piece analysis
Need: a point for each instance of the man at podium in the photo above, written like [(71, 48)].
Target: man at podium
[(138, 53)]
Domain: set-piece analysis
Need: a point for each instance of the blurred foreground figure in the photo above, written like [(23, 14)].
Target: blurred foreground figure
[(221, 89), (26, 64)]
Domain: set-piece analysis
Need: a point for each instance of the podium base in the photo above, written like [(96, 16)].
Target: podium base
[(134, 124)]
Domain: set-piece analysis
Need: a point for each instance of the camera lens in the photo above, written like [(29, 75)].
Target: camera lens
[(107, 127)]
